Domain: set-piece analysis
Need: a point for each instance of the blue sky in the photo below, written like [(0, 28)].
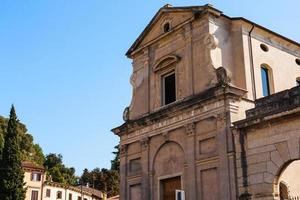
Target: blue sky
[(62, 64)]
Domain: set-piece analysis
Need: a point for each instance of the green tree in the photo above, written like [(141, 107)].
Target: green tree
[(58, 171), (115, 163), (105, 180), (11, 173), (29, 151)]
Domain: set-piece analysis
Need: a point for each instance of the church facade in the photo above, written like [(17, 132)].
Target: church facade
[(214, 111)]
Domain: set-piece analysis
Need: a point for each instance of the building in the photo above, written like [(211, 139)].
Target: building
[(214, 111), (40, 189), (34, 178)]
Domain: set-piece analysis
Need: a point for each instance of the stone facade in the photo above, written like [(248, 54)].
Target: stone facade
[(267, 141), (189, 144)]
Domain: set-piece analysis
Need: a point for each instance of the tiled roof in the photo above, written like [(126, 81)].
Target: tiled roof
[(32, 166)]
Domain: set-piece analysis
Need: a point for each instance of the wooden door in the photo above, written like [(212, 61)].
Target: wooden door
[(169, 186)]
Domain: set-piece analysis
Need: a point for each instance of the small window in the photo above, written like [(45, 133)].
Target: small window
[(264, 47), (34, 195), (59, 195), (167, 27), (70, 196), (265, 78), (169, 88), (48, 193), (297, 60), (36, 176)]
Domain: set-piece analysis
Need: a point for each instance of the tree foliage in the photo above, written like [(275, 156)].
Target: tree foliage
[(57, 171), (11, 173), (115, 163), (29, 151), (104, 180)]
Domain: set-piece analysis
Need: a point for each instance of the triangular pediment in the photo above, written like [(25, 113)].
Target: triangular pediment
[(175, 16)]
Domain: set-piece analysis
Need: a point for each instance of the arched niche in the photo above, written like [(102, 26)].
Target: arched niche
[(168, 164), (169, 159)]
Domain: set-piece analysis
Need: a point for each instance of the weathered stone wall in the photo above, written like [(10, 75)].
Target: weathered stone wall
[(266, 142)]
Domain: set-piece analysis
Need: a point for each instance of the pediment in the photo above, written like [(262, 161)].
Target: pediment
[(165, 62), (174, 15), (157, 29)]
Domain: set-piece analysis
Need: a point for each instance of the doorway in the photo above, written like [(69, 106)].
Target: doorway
[(169, 186)]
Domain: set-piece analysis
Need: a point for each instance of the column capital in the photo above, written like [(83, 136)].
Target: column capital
[(190, 129)]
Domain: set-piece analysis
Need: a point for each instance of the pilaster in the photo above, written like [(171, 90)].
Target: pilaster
[(145, 168), (190, 175), (123, 171)]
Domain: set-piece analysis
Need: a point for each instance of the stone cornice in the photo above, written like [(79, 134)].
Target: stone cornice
[(274, 107), (212, 94)]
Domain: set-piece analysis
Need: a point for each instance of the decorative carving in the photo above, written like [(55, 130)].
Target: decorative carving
[(221, 116), (137, 78), (166, 135), (222, 76), (190, 128), (123, 149), (165, 62), (126, 114), (145, 142), (211, 41)]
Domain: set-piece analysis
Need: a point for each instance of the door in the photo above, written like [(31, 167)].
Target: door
[(169, 186)]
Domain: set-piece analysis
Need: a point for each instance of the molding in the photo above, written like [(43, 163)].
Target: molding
[(165, 62)]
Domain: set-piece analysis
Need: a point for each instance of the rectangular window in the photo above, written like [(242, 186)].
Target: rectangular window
[(34, 195), (70, 196), (59, 195), (48, 193), (36, 176), (265, 81), (169, 88)]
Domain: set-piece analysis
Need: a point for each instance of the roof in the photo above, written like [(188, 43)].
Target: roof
[(85, 190), (94, 192), (208, 8), (26, 165)]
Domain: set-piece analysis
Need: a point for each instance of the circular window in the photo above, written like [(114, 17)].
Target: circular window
[(297, 60), (167, 27), (264, 47)]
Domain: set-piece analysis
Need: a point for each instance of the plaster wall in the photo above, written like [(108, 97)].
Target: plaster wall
[(65, 193), (33, 185)]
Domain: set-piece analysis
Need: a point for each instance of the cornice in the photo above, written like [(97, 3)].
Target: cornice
[(212, 94)]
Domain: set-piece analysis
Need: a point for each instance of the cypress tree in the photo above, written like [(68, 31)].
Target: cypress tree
[(11, 173)]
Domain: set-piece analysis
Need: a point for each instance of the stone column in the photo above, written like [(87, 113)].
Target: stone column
[(190, 169), (123, 171), (145, 168)]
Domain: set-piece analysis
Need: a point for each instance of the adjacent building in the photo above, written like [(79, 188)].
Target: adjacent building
[(214, 111), (40, 189)]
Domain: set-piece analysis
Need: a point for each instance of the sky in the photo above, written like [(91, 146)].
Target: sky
[(63, 65)]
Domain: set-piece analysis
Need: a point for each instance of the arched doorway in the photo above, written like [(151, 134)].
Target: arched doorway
[(289, 181)]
